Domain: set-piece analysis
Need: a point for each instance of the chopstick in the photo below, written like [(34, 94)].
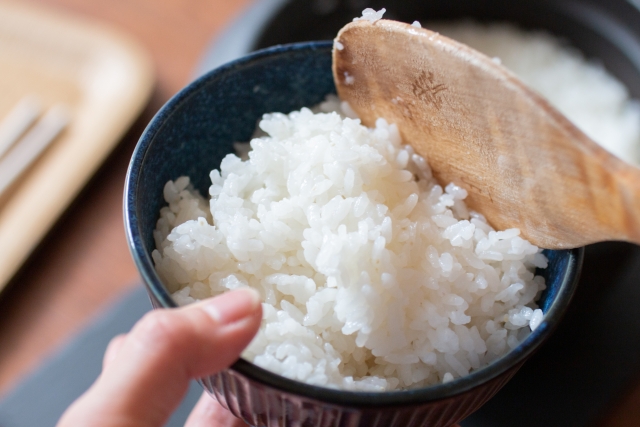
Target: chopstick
[(19, 119), (31, 145)]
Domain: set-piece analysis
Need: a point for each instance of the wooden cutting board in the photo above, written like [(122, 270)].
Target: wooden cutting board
[(101, 75)]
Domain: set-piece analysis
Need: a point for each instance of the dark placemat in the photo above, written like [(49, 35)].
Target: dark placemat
[(41, 399)]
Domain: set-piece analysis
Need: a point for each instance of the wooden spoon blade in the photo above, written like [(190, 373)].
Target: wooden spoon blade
[(524, 164)]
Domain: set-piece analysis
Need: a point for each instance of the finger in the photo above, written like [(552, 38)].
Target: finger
[(112, 349), (147, 379), (208, 412)]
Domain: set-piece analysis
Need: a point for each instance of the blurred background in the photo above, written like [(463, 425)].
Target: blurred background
[(67, 282)]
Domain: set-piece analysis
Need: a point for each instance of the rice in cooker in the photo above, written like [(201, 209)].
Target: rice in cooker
[(582, 90), (373, 276)]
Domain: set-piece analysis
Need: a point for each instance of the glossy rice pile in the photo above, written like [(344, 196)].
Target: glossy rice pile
[(373, 276)]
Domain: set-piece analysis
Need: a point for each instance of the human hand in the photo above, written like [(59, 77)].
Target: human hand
[(146, 372)]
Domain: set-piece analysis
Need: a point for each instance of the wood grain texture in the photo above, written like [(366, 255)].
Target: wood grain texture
[(84, 263), (524, 165), (100, 76)]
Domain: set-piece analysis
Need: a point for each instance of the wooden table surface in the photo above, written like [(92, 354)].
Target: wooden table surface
[(84, 264)]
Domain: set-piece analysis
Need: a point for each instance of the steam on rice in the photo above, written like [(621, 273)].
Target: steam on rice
[(373, 276)]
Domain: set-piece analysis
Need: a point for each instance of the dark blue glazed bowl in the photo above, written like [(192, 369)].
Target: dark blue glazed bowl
[(189, 136)]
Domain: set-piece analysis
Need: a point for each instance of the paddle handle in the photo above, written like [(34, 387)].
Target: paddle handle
[(523, 163)]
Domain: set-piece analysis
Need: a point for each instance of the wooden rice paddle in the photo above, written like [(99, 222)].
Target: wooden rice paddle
[(522, 162)]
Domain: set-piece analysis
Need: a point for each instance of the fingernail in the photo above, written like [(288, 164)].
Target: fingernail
[(233, 306)]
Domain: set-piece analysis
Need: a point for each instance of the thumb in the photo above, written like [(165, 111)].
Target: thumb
[(147, 378)]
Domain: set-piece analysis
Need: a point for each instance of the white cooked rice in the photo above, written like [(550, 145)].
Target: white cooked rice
[(371, 15), (594, 100), (373, 276)]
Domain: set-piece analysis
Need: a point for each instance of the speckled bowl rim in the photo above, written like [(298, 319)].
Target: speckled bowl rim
[(266, 378)]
